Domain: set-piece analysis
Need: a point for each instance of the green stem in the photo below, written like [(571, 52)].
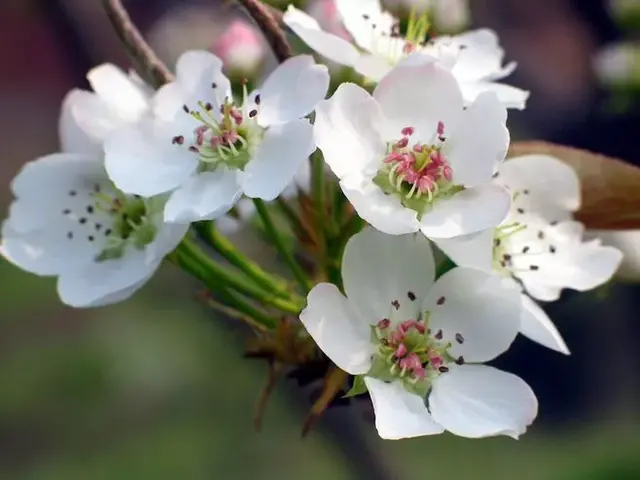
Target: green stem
[(277, 239), (216, 276), (293, 217), (245, 311), (235, 257), (317, 177)]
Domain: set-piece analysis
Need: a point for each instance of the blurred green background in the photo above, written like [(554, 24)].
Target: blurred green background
[(156, 388)]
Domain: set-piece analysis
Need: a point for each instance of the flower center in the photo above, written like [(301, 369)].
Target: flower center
[(411, 352), (111, 220), (419, 174), (228, 135)]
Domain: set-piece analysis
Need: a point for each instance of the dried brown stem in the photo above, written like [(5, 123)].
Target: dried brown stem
[(155, 71), (264, 17)]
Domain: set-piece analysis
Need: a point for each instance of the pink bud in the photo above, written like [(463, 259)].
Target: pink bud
[(440, 128), (240, 47), (407, 131), (401, 351)]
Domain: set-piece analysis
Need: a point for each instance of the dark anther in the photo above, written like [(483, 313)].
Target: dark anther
[(137, 197), (411, 295), (185, 108), (66, 211), (214, 85), (525, 249), (496, 242), (69, 235), (554, 223), (460, 360), (459, 338), (443, 369), (179, 140), (193, 149), (525, 191), (440, 301), (72, 193), (98, 227), (534, 267), (96, 188), (395, 304), (258, 99), (507, 257), (374, 26), (442, 139), (208, 107), (89, 209), (107, 232), (124, 236), (82, 221), (90, 238), (253, 113), (365, 16), (541, 235), (552, 249), (439, 334), (520, 210)]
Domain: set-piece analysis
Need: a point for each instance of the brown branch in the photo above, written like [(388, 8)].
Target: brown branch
[(152, 67), (265, 18)]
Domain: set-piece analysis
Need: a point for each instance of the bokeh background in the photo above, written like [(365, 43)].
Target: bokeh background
[(156, 388)]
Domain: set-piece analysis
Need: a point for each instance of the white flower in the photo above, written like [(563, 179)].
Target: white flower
[(539, 244), (69, 221), (206, 150), (418, 343), (411, 158), (474, 57)]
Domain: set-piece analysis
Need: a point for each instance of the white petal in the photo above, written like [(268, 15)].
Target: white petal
[(553, 187), (196, 72), (474, 250), (478, 306), (477, 401), (292, 90), (359, 18), (111, 279), (347, 130), (119, 92), (373, 67), (470, 211), (419, 95), (399, 413), (326, 44), (478, 144), (337, 329), (383, 212), (480, 56), (628, 242), (81, 127), (204, 196), (510, 97), (283, 149), (378, 269), (142, 160), (536, 325)]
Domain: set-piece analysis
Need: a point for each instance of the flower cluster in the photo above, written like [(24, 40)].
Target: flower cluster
[(419, 161)]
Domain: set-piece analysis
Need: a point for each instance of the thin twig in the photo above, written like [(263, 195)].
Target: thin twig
[(268, 24), (156, 71)]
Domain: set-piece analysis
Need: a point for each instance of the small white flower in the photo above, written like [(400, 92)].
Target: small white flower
[(206, 150), (418, 343), (69, 221), (539, 244), (410, 158), (474, 57)]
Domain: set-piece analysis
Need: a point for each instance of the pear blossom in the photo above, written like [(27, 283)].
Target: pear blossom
[(418, 344), (475, 57), (68, 220), (205, 150), (539, 245), (411, 158)]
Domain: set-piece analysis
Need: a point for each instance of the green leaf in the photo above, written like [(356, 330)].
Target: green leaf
[(358, 388)]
